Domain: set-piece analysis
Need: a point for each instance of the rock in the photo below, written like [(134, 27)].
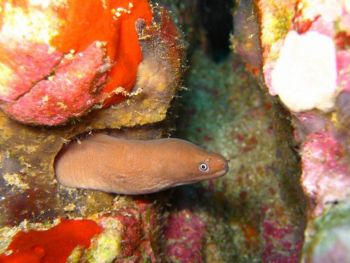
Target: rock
[(256, 212), (28, 189), (304, 48)]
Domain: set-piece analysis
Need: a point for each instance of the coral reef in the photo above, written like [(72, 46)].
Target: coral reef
[(279, 112), (304, 57), (184, 234), (28, 187), (34, 245), (255, 212), (127, 233), (31, 199), (78, 56)]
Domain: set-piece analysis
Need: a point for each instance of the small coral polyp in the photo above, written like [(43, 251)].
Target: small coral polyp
[(61, 58)]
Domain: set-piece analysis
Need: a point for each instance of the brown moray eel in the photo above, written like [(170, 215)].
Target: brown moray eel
[(110, 164)]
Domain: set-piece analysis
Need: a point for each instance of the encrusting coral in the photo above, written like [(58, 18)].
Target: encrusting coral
[(75, 57), (57, 62)]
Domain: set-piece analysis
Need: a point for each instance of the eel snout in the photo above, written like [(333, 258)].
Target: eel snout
[(221, 165), (123, 166)]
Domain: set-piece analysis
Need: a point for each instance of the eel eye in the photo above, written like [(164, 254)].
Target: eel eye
[(203, 167)]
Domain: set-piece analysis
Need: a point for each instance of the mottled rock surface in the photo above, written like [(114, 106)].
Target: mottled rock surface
[(31, 198), (304, 50), (256, 212)]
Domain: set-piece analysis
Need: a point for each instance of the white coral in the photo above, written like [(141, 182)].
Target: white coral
[(305, 75)]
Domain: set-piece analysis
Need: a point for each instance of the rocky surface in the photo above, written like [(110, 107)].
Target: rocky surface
[(303, 52), (31, 199), (255, 212)]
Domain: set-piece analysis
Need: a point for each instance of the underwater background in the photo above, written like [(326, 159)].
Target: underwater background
[(265, 83)]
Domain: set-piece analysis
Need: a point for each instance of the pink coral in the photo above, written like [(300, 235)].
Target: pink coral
[(184, 236), (47, 101), (325, 176), (343, 62), (281, 244)]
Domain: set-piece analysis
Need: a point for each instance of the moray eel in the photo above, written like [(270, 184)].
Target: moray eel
[(122, 166)]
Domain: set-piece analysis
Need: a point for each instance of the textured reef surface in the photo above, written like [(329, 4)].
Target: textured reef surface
[(255, 212), (300, 50), (32, 204), (58, 60), (127, 232), (275, 105)]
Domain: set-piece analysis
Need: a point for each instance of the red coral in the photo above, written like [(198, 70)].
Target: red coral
[(342, 39), (100, 39), (300, 24), (131, 234), (53, 245)]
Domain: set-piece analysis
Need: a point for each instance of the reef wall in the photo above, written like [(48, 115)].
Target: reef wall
[(300, 52)]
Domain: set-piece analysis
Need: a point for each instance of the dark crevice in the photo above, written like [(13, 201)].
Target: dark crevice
[(216, 19)]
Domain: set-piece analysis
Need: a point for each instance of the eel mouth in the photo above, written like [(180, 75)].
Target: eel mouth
[(220, 173)]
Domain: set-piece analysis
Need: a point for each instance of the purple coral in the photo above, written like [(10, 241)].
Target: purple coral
[(184, 235)]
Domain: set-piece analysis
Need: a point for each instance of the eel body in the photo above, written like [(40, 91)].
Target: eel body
[(123, 166)]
